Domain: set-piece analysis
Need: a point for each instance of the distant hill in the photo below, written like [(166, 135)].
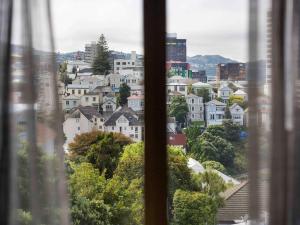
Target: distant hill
[(209, 59), (208, 63)]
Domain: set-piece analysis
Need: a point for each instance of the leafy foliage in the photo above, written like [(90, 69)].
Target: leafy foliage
[(102, 149), (192, 132), (204, 93), (193, 208), (124, 93), (63, 74), (214, 165), (178, 108), (238, 100), (101, 63), (214, 148)]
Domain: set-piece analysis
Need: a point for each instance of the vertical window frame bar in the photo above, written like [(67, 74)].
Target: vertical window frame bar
[(155, 112)]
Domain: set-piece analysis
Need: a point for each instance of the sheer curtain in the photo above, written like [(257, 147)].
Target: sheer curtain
[(32, 169)]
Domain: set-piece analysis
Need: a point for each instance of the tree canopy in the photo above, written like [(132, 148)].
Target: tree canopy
[(102, 149), (124, 93), (204, 93), (178, 108), (101, 63)]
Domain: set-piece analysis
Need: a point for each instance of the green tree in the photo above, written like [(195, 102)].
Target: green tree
[(227, 113), (131, 162), (204, 93), (232, 130), (214, 165), (194, 208), (214, 148), (178, 108), (238, 100), (190, 89), (192, 132), (216, 130), (101, 63), (124, 93), (63, 74), (102, 149), (86, 187)]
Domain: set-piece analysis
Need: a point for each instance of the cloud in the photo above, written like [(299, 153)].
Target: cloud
[(210, 26)]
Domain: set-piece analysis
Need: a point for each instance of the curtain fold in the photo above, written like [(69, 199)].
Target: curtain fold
[(31, 123)]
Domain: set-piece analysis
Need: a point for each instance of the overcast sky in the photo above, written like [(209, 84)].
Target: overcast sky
[(210, 26)]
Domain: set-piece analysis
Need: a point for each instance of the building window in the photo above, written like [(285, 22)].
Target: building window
[(67, 102), (79, 92), (86, 99), (136, 129), (192, 101), (73, 92), (118, 63), (113, 128), (94, 99), (74, 103), (84, 91), (132, 63), (131, 128), (181, 88), (192, 108), (78, 128), (123, 63), (136, 136)]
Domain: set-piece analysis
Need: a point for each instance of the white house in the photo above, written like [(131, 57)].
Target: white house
[(224, 93), (90, 99), (136, 102), (70, 102), (115, 81), (77, 89), (124, 120), (182, 88), (90, 81), (81, 120), (215, 112), (237, 114), (196, 107), (109, 103), (242, 94)]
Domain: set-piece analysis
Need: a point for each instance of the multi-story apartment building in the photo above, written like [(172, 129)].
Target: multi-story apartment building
[(132, 63), (176, 48), (231, 71), (90, 52), (196, 107)]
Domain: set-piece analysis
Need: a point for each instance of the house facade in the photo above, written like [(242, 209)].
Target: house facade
[(214, 112), (224, 93), (70, 102), (237, 114), (77, 89), (82, 120), (109, 103), (136, 102), (124, 120), (196, 107)]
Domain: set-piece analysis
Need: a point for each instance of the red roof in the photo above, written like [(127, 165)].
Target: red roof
[(177, 139)]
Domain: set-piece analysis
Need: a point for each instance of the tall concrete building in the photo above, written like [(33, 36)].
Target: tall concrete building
[(90, 52), (176, 48)]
